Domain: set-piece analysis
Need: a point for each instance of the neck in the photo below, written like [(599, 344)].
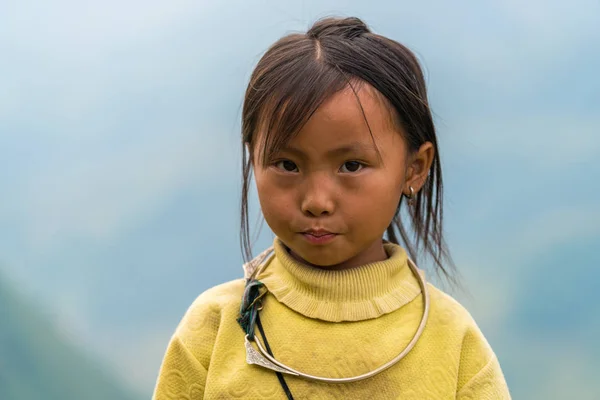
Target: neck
[(373, 253), (364, 292)]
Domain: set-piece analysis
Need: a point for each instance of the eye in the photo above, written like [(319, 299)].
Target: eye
[(351, 166), (287, 165)]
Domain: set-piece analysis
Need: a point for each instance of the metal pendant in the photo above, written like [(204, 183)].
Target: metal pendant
[(254, 357)]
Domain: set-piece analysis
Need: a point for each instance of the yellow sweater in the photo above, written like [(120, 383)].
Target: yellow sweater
[(333, 324)]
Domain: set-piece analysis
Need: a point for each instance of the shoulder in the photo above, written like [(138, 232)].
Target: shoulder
[(453, 321), (447, 308), (449, 316), (222, 294), (479, 374), (209, 308), (191, 345)]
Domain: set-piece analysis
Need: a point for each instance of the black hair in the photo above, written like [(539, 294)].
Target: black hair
[(301, 70)]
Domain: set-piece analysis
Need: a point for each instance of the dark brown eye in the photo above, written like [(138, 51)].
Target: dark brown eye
[(351, 166), (287, 166)]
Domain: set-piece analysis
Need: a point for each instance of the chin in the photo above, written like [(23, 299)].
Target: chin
[(320, 256)]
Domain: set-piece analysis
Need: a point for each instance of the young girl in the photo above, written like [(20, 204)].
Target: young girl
[(337, 130)]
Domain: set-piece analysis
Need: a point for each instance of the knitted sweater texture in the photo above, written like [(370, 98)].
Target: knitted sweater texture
[(333, 324)]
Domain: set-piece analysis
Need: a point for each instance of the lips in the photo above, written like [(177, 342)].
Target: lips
[(318, 236), (318, 232)]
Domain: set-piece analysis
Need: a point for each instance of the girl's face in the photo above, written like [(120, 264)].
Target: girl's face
[(327, 195)]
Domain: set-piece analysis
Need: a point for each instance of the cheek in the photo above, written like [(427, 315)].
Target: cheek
[(277, 205), (374, 204)]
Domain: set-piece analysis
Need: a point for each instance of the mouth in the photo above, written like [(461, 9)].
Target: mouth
[(318, 232), (319, 236)]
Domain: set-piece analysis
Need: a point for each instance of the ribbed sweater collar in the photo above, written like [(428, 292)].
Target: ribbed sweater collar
[(355, 294)]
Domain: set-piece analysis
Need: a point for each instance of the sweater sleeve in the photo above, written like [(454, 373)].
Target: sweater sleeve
[(186, 362), (181, 375), (488, 383), (480, 376)]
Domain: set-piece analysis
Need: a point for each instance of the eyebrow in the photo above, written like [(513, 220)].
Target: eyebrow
[(353, 147)]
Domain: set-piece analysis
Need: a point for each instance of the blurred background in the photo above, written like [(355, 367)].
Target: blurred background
[(120, 160)]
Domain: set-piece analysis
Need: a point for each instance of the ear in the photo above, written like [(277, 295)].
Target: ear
[(418, 167)]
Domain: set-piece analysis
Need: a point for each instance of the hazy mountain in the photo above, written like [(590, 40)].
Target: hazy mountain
[(36, 363)]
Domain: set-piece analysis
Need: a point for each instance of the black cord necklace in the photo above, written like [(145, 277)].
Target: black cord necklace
[(280, 377), (251, 305)]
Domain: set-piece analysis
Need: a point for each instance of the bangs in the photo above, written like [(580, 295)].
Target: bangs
[(293, 99)]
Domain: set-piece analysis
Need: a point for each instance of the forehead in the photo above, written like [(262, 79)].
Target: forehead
[(349, 116)]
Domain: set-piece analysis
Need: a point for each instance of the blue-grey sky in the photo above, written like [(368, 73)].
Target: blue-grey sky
[(119, 165)]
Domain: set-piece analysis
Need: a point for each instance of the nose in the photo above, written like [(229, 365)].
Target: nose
[(318, 197)]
